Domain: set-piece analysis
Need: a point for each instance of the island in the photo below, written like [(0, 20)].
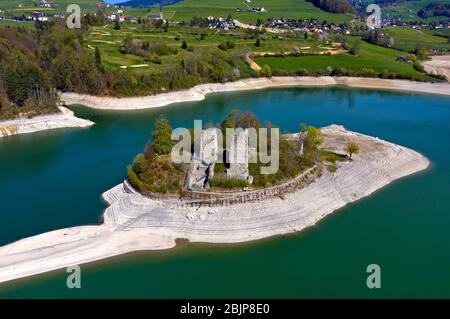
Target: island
[(321, 170)]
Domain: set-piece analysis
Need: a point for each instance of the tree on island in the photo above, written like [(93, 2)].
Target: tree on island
[(314, 134), (229, 120), (240, 119), (162, 141), (351, 148)]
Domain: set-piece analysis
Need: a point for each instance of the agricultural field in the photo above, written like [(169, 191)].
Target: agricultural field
[(186, 9), (406, 39), (32, 5), (370, 56)]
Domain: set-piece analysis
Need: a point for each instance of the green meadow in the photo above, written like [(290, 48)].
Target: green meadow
[(406, 39), (186, 9), (407, 10), (370, 57)]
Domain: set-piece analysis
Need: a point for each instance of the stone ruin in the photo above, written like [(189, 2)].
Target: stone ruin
[(201, 168), (237, 158)]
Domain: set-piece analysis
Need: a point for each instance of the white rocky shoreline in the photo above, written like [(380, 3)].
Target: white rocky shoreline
[(133, 222), (65, 118), (199, 92)]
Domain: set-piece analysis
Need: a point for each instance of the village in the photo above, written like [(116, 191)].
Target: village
[(125, 14)]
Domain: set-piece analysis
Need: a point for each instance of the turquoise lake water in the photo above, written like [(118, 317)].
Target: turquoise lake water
[(54, 179)]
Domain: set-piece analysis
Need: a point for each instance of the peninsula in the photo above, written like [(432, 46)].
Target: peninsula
[(65, 118), (135, 222)]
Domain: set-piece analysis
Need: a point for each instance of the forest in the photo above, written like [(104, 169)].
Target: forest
[(335, 6), (36, 63)]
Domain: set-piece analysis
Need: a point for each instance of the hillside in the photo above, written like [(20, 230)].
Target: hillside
[(408, 10), (242, 11), (435, 10), (12, 6), (146, 3)]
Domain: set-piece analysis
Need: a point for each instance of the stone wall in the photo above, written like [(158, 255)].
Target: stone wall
[(210, 199)]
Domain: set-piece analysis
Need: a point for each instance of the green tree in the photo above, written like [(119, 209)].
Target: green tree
[(258, 42), (315, 136), (125, 46), (25, 80), (98, 58), (184, 45), (266, 71), (351, 148), (356, 48), (116, 25), (421, 52), (229, 120), (162, 141)]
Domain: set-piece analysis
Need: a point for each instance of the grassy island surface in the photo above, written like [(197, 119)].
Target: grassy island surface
[(154, 171)]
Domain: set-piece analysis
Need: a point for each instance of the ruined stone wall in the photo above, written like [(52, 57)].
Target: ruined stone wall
[(210, 199)]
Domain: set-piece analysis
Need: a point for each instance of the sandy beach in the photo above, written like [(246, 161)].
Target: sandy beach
[(133, 222), (199, 92), (40, 123)]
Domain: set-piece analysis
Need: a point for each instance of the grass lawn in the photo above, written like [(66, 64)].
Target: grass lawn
[(406, 39), (371, 56), (108, 41), (407, 10), (186, 9), (26, 24)]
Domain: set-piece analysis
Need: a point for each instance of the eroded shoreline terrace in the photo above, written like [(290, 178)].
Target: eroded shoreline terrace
[(134, 222)]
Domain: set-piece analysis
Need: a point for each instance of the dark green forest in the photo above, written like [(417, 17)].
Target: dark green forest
[(335, 6)]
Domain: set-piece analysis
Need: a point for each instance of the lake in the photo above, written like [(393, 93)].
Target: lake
[(54, 179)]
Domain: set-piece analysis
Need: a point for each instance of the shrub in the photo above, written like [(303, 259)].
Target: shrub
[(228, 183)]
